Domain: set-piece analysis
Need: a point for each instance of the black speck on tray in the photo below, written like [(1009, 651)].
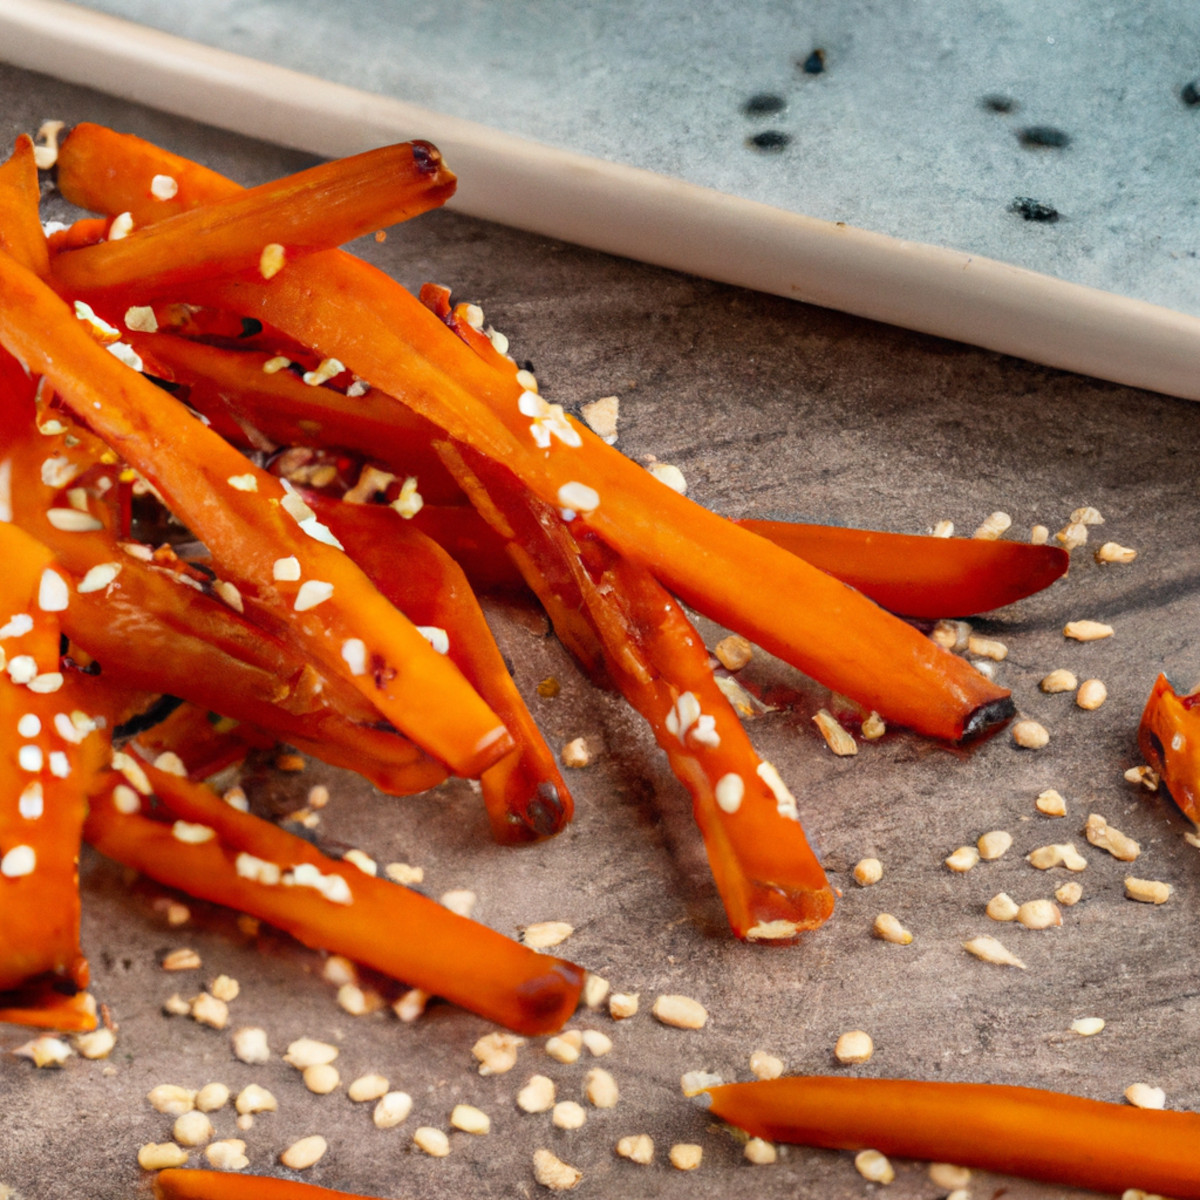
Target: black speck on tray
[(1190, 93), (764, 104), (1043, 137), (770, 141), (1033, 210), (814, 64), (997, 103)]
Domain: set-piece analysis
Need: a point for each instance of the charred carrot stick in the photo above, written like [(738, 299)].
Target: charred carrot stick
[(263, 539), (263, 228), (1169, 738), (50, 748), (1013, 1130), (525, 793), (237, 859), (766, 873), (178, 1184), (921, 576), (358, 315), (20, 227)]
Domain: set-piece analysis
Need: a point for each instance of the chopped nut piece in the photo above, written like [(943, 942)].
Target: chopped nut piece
[(595, 990), (868, 871), (622, 1005), (682, 1012), (1148, 891), (1060, 680), (1091, 695), (1087, 631), (987, 648), (765, 1066), (568, 1115), (948, 1175), (470, 1119), (211, 1097), (171, 1100), (873, 727), (889, 929), (229, 1154), (872, 1165), (854, 1047), (1051, 804), (1087, 516), (321, 1078), (399, 872), (993, 526), (250, 1045), (182, 959), (692, 1083), (45, 1051), (1068, 894), (1002, 907), (600, 1088), (496, 1053), (638, 1148), (963, 859), (1113, 552), (1101, 834), (992, 845), (461, 901), (208, 1010), (1087, 1026), (551, 1172), (1061, 854), (759, 1152), (537, 1095), (563, 1049), (393, 1109), (1142, 1095), (543, 934), (1029, 735), (97, 1044), (1039, 535), (990, 950), (1039, 914), (367, 1087), (1146, 776), (157, 1156), (733, 652), (192, 1129), (254, 1099), (308, 1052), (943, 529), (838, 739), (685, 1156), (1072, 535), (601, 415), (576, 753), (305, 1153), (597, 1043)]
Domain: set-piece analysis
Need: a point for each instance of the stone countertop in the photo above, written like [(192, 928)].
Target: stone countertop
[(769, 408)]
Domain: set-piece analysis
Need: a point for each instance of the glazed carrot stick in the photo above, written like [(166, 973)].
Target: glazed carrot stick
[(234, 858), (256, 533), (525, 793), (177, 1184), (921, 576), (1012, 1130), (324, 206), (1169, 739), (20, 227)]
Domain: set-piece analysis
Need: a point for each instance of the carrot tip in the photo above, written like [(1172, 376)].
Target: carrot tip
[(988, 716)]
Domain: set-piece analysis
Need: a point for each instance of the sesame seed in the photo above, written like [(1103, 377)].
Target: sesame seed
[(1091, 695), (470, 1119), (873, 726), (225, 988), (305, 1153), (327, 368), (312, 592), (1114, 552), (212, 1097), (1102, 835), (993, 526), (171, 1100), (1072, 535), (255, 1099), (46, 683), (1039, 535), (838, 739), (364, 862), (496, 1053), (243, 483), (963, 859), (987, 648), (409, 502), (460, 901), (1039, 914), (681, 1012), (1146, 776), (537, 1095), (17, 862), (1051, 804), (990, 950), (994, 844), (30, 758), (596, 1043), (729, 792), (600, 1088), (1147, 891), (53, 593), (1069, 894), (411, 1005), (121, 226), (354, 653), (321, 1078), (576, 753), (192, 1129), (887, 928), (578, 496), (564, 1049), (854, 1047), (759, 1152), (208, 1010), (157, 1156), (250, 1045), (99, 577), (943, 529), (31, 803), (1087, 1026), (595, 990), (22, 668), (274, 365), (1142, 1095), (951, 635), (367, 1087), (638, 1148), (544, 934), (949, 1176), (308, 1052), (433, 1141), (437, 637), (163, 187), (1030, 735), (192, 834), (271, 261), (765, 1066), (685, 1156), (622, 1005), (551, 1172), (228, 1154), (60, 765), (1061, 854), (403, 873), (872, 1165), (392, 1110), (567, 1114), (45, 1051), (692, 1083), (670, 475), (1002, 907), (1087, 631)]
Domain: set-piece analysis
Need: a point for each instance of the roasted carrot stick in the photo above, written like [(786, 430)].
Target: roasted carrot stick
[(315, 209), (921, 576), (176, 1184), (21, 233), (330, 611), (237, 859), (382, 333), (1013, 1130), (1169, 738)]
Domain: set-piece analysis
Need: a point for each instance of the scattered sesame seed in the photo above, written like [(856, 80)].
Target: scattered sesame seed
[(537, 1095), (990, 950), (600, 1088), (1087, 1026), (543, 934), (254, 1099), (868, 871), (183, 959), (321, 1078), (987, 648), (243, 483), (308, 1052), (411, 1005), (99, 577), (225, 988), (1039, 535), (947, 1175), (1142, 1095), (176, 1006), (157, 1156), (208, 1010), (54, 594), (681, 1012), (1148, 891), (622, 1005), (601, 415), (312, 592), (1101, 834), (1051, 804), (470, 1119), (638, 1148), (1002, 907), (1072, 535), (171, 1100), (596, 1043), (433, 1141), (855, 1046), (163, 187), (943, 529), (403, 873), (670, 475), (564, 1049), (595, 990), (765, 1066), (729, 792), (578, 497), (576, 753), (993, 526), (760, 1152), (98, 1043), (551, 1172), (1087, 631), (1069, 894), (45, 1051), (250, 1045), (1030, 735), (461, 901), (872, 1165), (367, 1087), (305, 1153), (994, 844), (873, 726), (1113, 552), (1091, 695), (1039, 914), (692, 1083), (271, 261), (363, 861), (192, 1129), (963, 859), (951, 635), (1147, 777), (887, 928), (228, 1154), (212, 1097), (327, 368), (1061, 854), (496, 1053), (392, 1110), (733, 652), (192, 834), (685, 1156), (837, 738)]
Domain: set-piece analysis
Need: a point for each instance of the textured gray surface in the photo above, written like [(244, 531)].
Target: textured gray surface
[(891, 137), (769, 408)]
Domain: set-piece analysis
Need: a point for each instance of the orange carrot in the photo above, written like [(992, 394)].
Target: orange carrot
[(1169, 738), (21, 233), (177, 1184), (1012, 1130)]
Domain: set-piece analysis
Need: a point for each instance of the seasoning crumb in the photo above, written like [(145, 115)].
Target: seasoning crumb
[(637, 1147), (733, 652), (392, 1110), (692, 1083), (305, 1153), (770, 141), (681, 1012), (1030, 735), (685, 1156), (1087, 631), (1148, 891), (551, 1172), (1087, 1026), (872, 1165), (889, 929), (1142, 1095), (963, 859), (549, 688), (765, 1066), (601, 415), (760, 1152), (868, 871), (208, 1010), (990, 950), (873, 726), (622, 1005), (568, 1114), (576, 753), (469, 1119), (225, 988), (855, 1046), (994, 844), (1091, 695), (97, 1044), (1043, 137), (537, 1095), (1034, 210), (1147, 777), (600, 1088), (1060, 680)]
